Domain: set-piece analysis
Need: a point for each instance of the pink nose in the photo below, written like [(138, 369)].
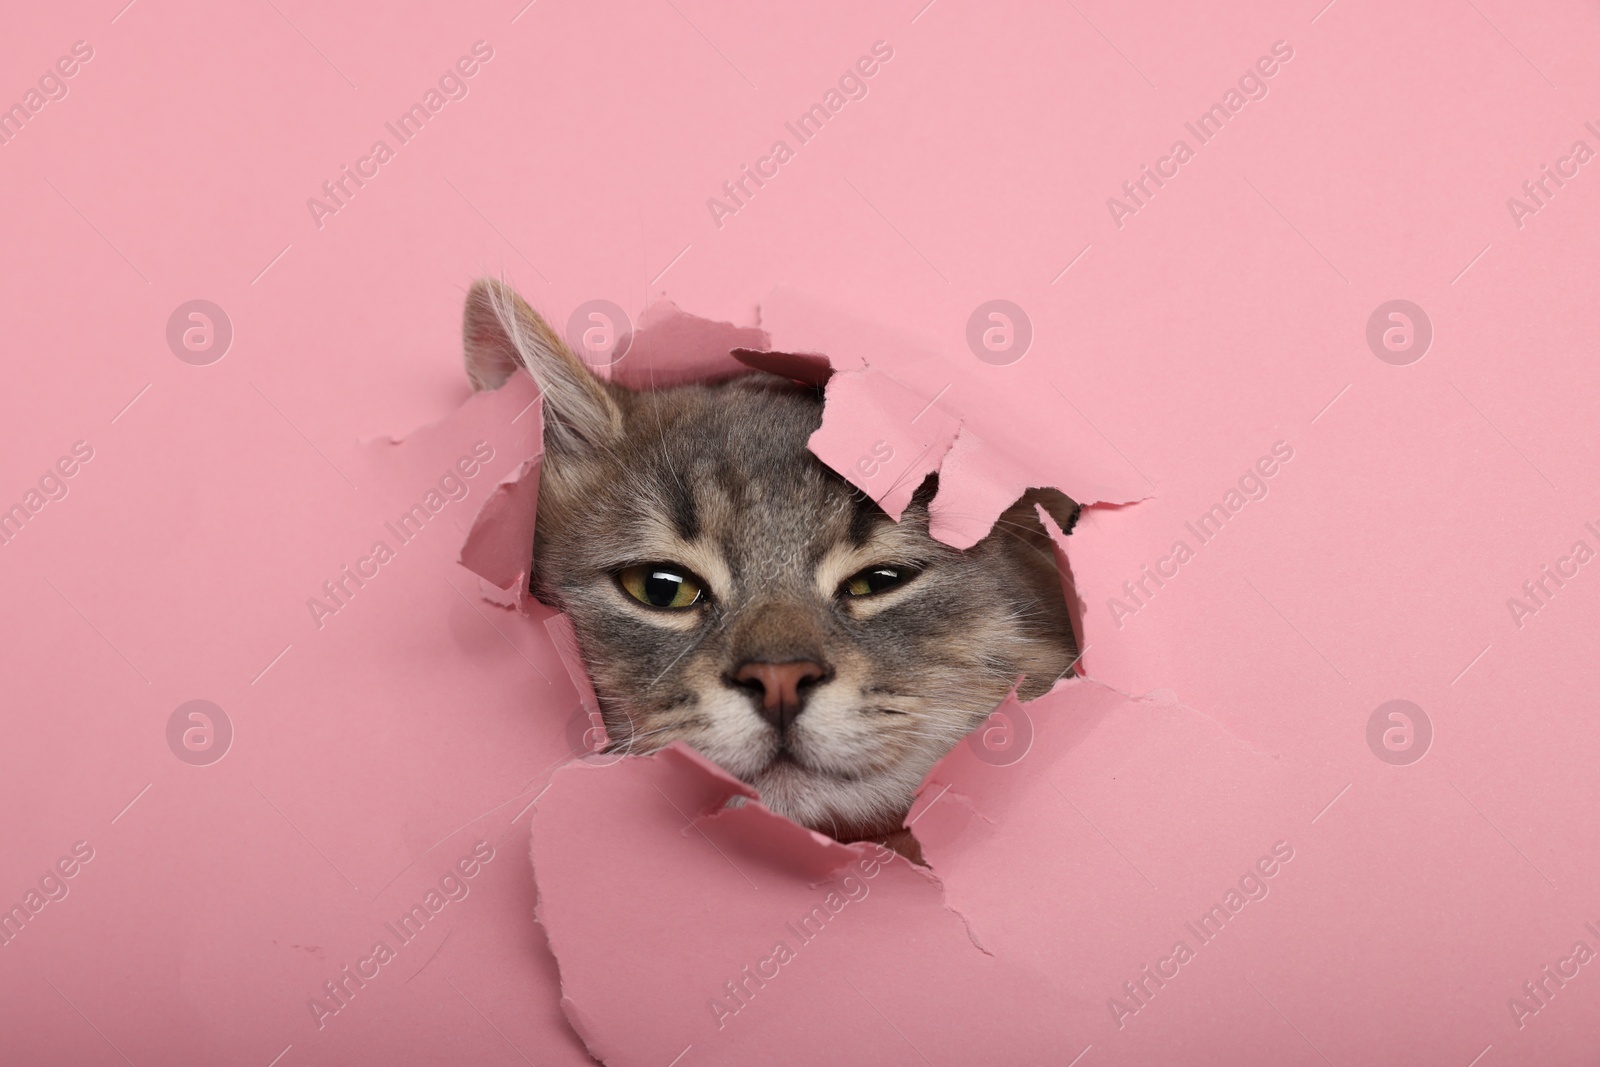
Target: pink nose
[(780, 685)]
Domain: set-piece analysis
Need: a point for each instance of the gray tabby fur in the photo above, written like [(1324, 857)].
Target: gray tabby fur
[(718, 479)]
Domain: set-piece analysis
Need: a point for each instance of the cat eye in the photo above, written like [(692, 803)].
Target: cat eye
[(876, 580), (661, 585)]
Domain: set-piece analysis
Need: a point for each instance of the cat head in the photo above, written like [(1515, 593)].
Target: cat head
[(731, 591)]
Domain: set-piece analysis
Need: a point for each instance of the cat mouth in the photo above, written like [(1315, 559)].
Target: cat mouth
[(786, 761), (787, 757)]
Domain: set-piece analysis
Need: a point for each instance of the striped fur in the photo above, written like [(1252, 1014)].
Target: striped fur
[(718, 479)]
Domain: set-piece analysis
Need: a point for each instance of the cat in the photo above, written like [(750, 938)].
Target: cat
[(731, 591)]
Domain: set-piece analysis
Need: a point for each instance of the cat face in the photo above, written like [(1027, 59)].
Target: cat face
[(730, 591)]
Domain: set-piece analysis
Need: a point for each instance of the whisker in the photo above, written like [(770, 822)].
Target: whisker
[(626, 744)]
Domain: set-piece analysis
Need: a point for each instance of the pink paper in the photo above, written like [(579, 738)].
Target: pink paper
[(242, 742)]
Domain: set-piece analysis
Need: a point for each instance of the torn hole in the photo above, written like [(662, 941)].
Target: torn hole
[(814, 576)]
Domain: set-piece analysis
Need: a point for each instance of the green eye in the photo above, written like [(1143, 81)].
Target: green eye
[(660, 585), (875, 580)]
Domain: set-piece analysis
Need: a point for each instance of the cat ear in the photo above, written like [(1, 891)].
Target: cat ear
[(500, 333)]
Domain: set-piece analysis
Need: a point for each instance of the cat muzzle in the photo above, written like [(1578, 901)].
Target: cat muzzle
[(781, 687)]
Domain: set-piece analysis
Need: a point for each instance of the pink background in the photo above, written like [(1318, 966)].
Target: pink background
[(372, 753)]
